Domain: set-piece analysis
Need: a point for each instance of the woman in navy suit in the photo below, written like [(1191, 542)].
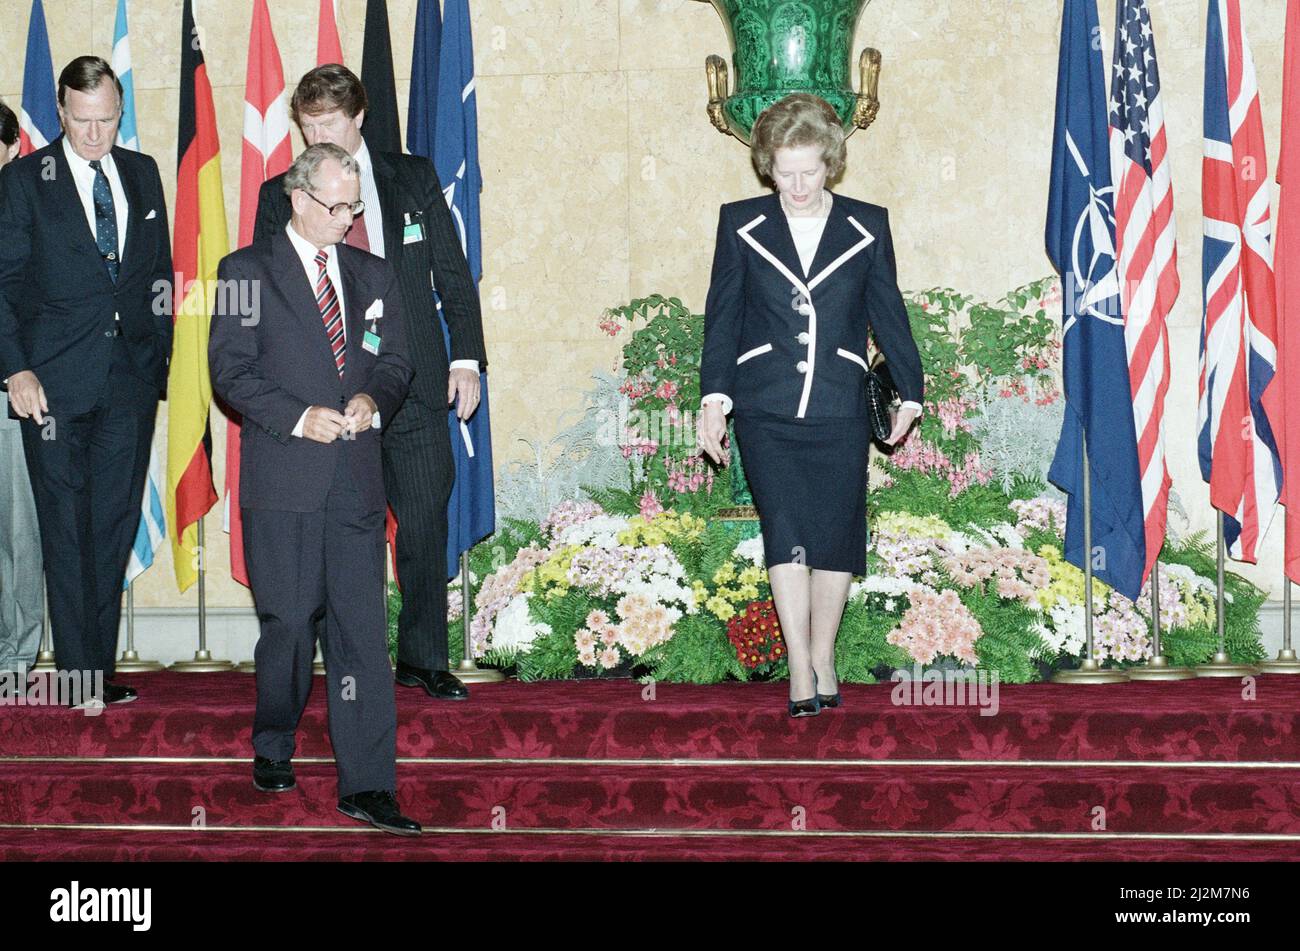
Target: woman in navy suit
[(800, 277)]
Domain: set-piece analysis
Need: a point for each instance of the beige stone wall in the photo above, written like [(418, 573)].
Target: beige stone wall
[(602, 175)]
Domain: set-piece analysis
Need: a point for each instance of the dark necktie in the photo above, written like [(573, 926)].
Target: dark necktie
[(330, 311), (105, 221)]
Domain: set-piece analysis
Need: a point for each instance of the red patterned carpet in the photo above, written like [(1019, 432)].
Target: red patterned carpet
[(599, 770)]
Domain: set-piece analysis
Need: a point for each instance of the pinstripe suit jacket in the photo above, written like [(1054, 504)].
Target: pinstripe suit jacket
[(794, 344), (408, 186)]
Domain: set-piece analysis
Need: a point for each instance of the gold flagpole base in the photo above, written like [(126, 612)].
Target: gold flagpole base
[(1159, 668), (246, 667), (203, 663), (44, 661), (1090, 672), (471, 673), (1286, 662), (130, 663), (1222, 666)]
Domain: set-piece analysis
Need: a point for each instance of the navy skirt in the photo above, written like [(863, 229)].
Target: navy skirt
[(809, 482)]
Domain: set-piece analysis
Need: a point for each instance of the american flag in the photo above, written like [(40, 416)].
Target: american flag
[(1238, 354), (1146, 250)]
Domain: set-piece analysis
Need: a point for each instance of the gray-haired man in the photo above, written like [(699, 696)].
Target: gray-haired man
[(315, 367)]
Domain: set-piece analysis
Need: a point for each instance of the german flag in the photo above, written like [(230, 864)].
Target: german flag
[(199, 242)]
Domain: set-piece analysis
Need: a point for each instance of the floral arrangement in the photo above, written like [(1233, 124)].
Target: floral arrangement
[(965, 562)]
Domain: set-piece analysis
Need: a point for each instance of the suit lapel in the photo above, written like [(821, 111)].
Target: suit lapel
[(769, 235), (389, 203), (68, 205), (843, 238), (353, 312), (300, 294), (135, 217)]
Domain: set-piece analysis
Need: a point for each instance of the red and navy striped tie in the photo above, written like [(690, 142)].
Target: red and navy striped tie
[(330, 311)]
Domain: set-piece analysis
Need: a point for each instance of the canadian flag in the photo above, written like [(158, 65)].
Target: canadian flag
[(266, 154)]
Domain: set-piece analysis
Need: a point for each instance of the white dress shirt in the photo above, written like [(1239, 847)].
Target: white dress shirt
[(373, 216), (307, 254), (84, 178), (807, 234)]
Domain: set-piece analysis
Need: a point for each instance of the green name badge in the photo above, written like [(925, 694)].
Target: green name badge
[(412, 233), (370, 342)]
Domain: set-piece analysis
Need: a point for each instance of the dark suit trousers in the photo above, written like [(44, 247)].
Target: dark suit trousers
[(418, 475), (88, 473), (323, 573)]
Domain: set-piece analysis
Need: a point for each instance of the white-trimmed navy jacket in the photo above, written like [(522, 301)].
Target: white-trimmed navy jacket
[(794, 344)]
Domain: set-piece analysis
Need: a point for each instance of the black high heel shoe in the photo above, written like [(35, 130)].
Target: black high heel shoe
[(807, 708), (826, 699)]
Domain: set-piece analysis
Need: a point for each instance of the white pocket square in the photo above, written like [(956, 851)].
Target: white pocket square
[(153, 213)]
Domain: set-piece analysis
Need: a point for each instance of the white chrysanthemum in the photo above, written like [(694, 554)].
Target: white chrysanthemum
[(600, 531), (513, 629), (751, 549)]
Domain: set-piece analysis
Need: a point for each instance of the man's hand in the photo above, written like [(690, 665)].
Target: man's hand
[(712, 430), (902, 423), (464, 383), (27, 396), (360, 413), (323, 424)]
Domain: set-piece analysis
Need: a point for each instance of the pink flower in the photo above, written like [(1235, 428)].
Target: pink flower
[(608, 658), (650, 506)]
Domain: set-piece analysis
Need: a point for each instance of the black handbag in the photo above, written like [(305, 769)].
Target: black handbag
[(882, 396)]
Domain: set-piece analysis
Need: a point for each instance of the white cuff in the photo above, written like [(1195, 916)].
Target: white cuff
[(467, 364), (913, 404), (297, 430), (722, 398)]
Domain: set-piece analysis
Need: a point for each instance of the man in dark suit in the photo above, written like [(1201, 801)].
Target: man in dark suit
[(85, 341), (408, 223), (317, 366)]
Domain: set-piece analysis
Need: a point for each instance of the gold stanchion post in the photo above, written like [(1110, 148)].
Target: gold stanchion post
[(468, 671), (203, 662), (1222, 665), (1158, 667), (130, 661)]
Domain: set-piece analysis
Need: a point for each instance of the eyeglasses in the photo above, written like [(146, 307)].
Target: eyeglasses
[(356, 207)]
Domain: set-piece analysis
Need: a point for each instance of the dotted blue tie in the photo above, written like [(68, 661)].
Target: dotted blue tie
[(105, 221)]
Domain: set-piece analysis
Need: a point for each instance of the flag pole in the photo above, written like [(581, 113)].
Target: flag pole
[(1221, 664), (45, 657), (130, 661), (1088, 671), (1286, 661), (468, 671), (203, 662), (1158, 667)]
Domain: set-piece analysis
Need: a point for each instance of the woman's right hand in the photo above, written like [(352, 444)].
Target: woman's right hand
[(712, 433)]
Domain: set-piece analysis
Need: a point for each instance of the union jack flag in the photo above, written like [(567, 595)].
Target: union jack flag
[(1238, 354), (1146, 249)]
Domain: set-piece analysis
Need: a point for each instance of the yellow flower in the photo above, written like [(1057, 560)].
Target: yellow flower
[(721, 608), (726, 573)]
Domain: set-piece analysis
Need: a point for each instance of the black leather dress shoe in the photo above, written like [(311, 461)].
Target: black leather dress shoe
[(273, 775), (113, 693), (436, 683), (379, 808)]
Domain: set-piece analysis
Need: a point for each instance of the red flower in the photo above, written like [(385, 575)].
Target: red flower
[(755, 632)]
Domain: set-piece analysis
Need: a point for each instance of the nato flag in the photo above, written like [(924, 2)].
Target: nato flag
[(1081, 243)]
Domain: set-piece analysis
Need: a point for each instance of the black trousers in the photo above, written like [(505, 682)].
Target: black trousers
[(88, 473), (418, 476), (322, 574)]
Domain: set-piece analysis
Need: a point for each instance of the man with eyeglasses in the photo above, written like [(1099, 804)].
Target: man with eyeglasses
[(316, 367), (407, 222)]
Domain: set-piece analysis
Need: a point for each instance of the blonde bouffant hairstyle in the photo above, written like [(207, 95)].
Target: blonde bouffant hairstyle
[(798, 120)]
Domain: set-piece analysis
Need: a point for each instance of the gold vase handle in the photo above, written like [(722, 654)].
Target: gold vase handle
[(868, 100), (715, 72)]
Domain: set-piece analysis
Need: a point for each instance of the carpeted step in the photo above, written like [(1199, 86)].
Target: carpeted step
[(362, 844), (888, 797), (210, 715)]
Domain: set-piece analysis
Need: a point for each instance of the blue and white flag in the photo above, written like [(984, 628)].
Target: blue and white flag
[(152, 530), (471, 512), (1080, 239), (127, 137)]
